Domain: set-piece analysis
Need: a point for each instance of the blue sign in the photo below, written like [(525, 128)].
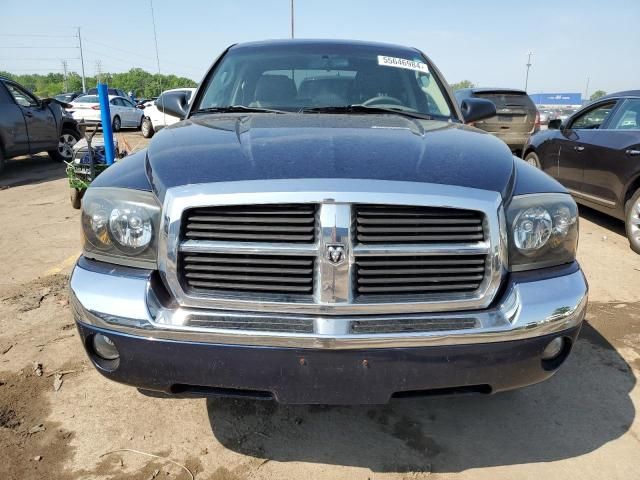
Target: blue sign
[(556, 98)]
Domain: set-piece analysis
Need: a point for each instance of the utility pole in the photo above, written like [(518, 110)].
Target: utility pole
[(155, 39), (84, 86), (64, 69), (526, 81), (586, 91), (99, 71), (292, 17)]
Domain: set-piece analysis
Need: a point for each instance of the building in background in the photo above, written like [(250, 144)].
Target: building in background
[(557, 100)]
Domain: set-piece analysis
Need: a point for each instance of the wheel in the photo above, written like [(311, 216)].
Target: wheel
[(1, 161), (632, 221), (64, 152), (147, 128), (75, 195), (117, 124), (532, 159)]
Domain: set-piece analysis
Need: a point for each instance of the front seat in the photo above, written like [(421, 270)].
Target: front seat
[(274, 91), (375, 83)]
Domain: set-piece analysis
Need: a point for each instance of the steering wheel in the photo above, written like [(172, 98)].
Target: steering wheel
[(383, 100)]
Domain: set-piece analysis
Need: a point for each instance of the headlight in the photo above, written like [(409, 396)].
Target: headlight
[(120, 225), (543, 230)]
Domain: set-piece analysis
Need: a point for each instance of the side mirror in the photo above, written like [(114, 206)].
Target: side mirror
[(555, 124), (474, 109), (46, 101), (140, 106), (173, 103)]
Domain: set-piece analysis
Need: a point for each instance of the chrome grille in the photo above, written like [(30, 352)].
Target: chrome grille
[(368, 247), (415, 224), (248, 273), (252, 223), (419, 275)]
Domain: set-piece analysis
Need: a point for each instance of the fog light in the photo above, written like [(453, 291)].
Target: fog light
[(104, 347), (553, 349)]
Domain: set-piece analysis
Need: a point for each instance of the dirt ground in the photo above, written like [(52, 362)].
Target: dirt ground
[(60, 419)]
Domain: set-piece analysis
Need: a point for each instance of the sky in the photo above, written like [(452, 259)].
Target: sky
[(486, 42)]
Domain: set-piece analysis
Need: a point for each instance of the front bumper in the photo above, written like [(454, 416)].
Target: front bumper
[(160, 351)]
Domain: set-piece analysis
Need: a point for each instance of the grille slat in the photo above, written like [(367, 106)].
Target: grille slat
[(249, 286), (248, 273), (416, 224), (418, 288), (249, 237), (252, 223), (384, 238)]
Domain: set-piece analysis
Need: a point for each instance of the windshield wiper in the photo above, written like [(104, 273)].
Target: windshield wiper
[(359, 108), (238, 109)]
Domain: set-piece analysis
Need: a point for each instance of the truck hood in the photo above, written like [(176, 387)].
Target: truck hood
[(237, 147)]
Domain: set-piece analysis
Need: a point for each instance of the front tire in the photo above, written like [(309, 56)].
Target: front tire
[(117, 124), (532, 159), (64, 153), (632, 221), (147, 128)]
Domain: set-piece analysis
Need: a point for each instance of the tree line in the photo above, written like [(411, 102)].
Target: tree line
[(141, 82)]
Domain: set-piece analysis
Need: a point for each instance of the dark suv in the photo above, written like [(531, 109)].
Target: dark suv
[(29, 125), (517, 116)]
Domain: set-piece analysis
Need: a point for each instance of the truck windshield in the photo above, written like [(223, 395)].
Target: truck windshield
[(308, 77)]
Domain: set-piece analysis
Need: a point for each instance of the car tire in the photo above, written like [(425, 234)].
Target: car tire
[(1, 161), (147, 128), (117, 124), (75, 195), (632, 221), (64, 152), (532, 159)]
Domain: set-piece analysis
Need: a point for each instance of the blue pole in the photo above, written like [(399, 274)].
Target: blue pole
[(105, 115)]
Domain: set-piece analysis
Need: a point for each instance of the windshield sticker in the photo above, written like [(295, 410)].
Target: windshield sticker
[(402, 63)]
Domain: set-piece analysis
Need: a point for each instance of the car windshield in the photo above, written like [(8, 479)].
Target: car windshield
[(87, 99), (294, 78), (64, 97)]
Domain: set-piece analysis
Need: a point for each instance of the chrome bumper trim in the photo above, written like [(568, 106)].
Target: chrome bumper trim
[(114, 300)]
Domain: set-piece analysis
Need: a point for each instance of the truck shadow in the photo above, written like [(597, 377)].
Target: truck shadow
[(30, 171), (584, 406), (612, 224)]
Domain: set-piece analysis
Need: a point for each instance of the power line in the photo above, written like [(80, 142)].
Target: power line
[(526, 81), (36, 59), (34, 35), (155, 39), (84, 87), (49, 70)]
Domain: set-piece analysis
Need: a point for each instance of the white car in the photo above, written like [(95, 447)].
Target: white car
[(155, 120), (124, 114)]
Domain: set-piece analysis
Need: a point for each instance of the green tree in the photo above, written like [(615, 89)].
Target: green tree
[(597, 94), (141, 82), (462, 84)]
